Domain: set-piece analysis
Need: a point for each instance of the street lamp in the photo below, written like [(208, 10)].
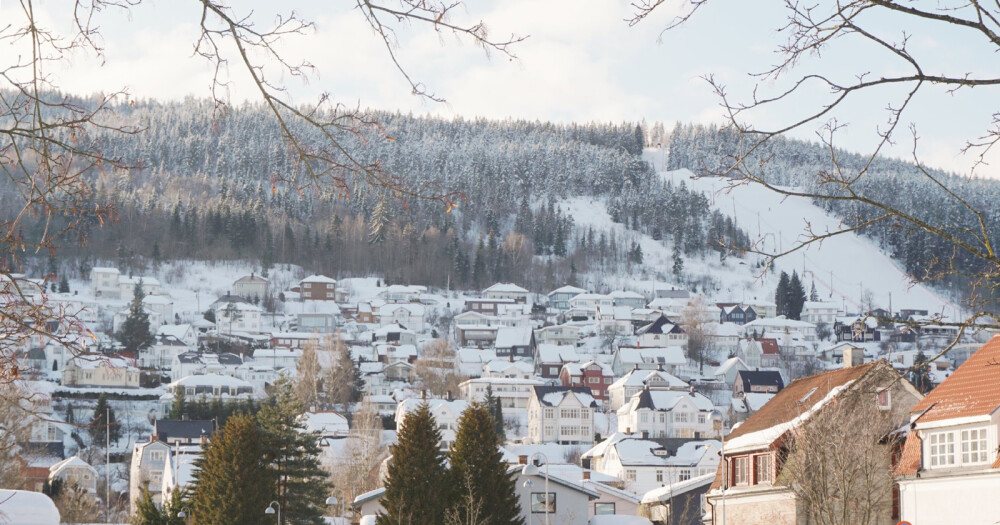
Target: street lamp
[(527, 485), (530, 469), (270, 510), (184, 513)]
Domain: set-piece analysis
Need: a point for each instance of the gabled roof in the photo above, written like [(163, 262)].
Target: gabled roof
[(636, 377), (511, 336), (176, 429), (769, 346), (553, 395), (320, 279), (506, 288), (760, 378), (666, 400), (661, 325), (971, 390), (568, 289), (795, 400)]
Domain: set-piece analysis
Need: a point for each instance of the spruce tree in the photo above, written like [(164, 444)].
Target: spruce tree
[(496, 410), (293, 458), (98, 428), (234, 482), (796, 296), (63, 284), (480, 473), (417, 487), (135, 333), (781, 295), (178, 407)]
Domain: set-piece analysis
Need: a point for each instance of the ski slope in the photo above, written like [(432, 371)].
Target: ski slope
[(844, 267)]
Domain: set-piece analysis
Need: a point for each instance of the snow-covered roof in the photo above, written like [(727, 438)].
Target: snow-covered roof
[(506, 288), (70, 462), (392, 329), (601, 448), (511, 336), (95, 361), (499, 365), (751, 401), (670, 355), (777, 322), (667, 492), (146, 281), (635, 452), (730, 363), (104, 269), (637, 377), (692, 452), (575, 369), (434, 405), (27, 508), (625, 294), (554, 395), (318, 279), (550, 353), (567, 290), (412, 308), (325, 422), (666, 400), (210, 380)]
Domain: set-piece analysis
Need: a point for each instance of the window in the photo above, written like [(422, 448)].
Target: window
[(740, 471), (156, 456), (593, 379), (659, 475), (883, 399), (942, 448), (974, 446), (630, 475), (681, 417), (549, 413), (762, 469), (702, 419), (684, 475), (569, 413), (607, 381), (644, 417), (541, 504), (601, 509)]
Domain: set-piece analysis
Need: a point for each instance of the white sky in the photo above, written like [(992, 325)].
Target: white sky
[(581, 62)]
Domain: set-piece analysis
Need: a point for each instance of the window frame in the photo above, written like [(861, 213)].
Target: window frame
[(938, 451), (739, 468), (536, 501), (762, 471), (598, 505)]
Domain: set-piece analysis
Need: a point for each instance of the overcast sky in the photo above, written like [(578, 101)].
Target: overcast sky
[(580, 62)]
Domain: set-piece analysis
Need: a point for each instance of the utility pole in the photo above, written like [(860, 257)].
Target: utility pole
[(107, 464)]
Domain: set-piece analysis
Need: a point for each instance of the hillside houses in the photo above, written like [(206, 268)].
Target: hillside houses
[(558, 414)]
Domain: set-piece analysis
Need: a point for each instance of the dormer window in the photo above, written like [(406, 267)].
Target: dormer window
[(974, 446), (883, 400)]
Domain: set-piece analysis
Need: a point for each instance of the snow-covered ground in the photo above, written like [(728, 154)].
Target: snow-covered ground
[(844, 268)]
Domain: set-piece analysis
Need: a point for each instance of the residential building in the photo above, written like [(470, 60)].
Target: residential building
[(668, 414), (126, 286), (516, 341), (761, 352), (648, 358), (856, 329), (660, 333), (104, 283), (251, 286), (400, 293), (734, 313), (561, 414), (97, 370), (949, 471), (237, 317), (755, 475), (778, 325), (506, 291), (150, 458), (677, 503), (508, 368), (627, 298), (549, 359), (409, 315), (318, 288), (446, 414), (512, 392), (593, 375), (75, 471), (559, 298), (757, 382), (561, 334), (636, 380), (817, 312), (162, 352)]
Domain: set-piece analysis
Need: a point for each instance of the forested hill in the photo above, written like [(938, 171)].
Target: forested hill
[(206, 192), (894, 182)]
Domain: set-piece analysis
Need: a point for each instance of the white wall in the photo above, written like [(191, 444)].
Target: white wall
[(970, 499)]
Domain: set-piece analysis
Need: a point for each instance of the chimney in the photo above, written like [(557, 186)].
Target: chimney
[(449, 395), (522, 460), (585, 463), (586, 475), (853, 357)]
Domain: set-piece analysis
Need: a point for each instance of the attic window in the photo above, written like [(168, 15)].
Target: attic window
[(809, 393)]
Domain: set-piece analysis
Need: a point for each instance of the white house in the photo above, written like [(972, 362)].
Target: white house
[(640, 464), (668, 413), (559, 298), (560, 334), (513, 393), (155, 319), (398, 293), (637, 379), (251, 286), (237, 317), (661, 332), (446, 415), (779, 325), (410, 315), (100, 371), (950, 469), (651, 358), (104, 283), (508, 368), (126, 286), (506, 291), (628, 298), (75, 471), (816, 312), (561, 414)]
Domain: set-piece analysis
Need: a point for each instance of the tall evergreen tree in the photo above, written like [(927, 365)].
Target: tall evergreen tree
[(63, 284), (813, 296), (480, 473), (293, 458), (234, 481), (417, 488), (781, 295), (136, 333), (98, 428), (796, 296), (496, 410)]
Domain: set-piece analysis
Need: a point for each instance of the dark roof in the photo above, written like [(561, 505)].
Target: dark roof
[(166, 339), (165, 429), (658, 326), (189, 357), (760, 378), (541, 391), (230, 359)]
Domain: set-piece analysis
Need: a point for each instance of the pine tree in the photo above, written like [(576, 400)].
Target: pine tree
[(496, 410), (234, 481), (135, 333), (178, 408), (417, 488), (813, 296), (293, 458), (209, 315), (63, 284), (920, 377), (480, 473)]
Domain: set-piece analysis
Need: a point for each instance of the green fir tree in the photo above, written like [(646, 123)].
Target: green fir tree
[(136, 333), (417, 487)]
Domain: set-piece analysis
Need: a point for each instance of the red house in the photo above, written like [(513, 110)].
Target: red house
[(593, 375)]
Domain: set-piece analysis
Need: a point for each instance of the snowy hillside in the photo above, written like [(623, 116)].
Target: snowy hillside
[(844, 268)]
